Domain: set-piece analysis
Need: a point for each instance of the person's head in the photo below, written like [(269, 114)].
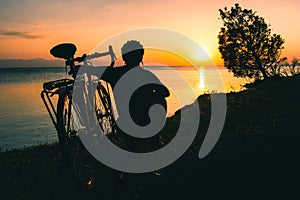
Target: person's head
[(132, 53)]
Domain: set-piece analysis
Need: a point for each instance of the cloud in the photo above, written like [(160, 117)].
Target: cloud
[(25, 35), (5, 19)]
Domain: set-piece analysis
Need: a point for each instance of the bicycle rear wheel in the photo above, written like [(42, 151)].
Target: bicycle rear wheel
[(79, 162)]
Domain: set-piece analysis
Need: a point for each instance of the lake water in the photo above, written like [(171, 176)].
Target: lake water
[(24, 120)]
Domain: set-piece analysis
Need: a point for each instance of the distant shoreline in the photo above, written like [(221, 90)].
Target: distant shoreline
[(30, 63)]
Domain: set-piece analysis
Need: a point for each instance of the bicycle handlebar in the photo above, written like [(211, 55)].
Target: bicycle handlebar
[(110, 52), (60, 51)]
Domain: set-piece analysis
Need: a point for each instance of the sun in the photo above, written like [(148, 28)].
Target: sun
[(200, 56)]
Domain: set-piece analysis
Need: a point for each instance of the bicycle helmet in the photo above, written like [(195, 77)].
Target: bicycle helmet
[(132, 52)]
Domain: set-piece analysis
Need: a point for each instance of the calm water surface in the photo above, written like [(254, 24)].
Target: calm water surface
[(24, 120)]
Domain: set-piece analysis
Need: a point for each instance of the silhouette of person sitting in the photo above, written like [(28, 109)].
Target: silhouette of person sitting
[(144, 96)]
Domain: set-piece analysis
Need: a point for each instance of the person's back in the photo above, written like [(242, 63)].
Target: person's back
[(145, 95)]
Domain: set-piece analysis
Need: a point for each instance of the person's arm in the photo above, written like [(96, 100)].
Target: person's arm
[(161, 90)]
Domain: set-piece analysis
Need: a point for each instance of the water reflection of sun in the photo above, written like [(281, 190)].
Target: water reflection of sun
[(201, 79)]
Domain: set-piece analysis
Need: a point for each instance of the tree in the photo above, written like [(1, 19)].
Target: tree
[(246, 44)]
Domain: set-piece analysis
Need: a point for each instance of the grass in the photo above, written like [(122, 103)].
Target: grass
[(257, 155)]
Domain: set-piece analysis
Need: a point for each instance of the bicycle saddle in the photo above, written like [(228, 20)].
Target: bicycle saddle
[(65, 51)]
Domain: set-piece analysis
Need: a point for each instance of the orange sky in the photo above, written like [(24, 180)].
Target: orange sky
[(28, 29)]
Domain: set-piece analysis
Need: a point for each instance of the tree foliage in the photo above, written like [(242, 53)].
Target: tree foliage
[(246, 44)]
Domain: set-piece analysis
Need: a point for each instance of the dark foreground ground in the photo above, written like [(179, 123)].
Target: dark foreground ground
[(257, 157)]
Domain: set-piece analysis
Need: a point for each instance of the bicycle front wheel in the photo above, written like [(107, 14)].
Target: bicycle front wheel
[(104, 111), (79, 162)]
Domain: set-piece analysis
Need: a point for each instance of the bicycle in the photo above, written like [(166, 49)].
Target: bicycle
[(77, 159)]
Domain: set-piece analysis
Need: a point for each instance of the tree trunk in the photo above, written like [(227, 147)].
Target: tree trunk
[(263, 71), (259, 65)]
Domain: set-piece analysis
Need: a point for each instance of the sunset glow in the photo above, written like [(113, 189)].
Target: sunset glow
[(28, 29)]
